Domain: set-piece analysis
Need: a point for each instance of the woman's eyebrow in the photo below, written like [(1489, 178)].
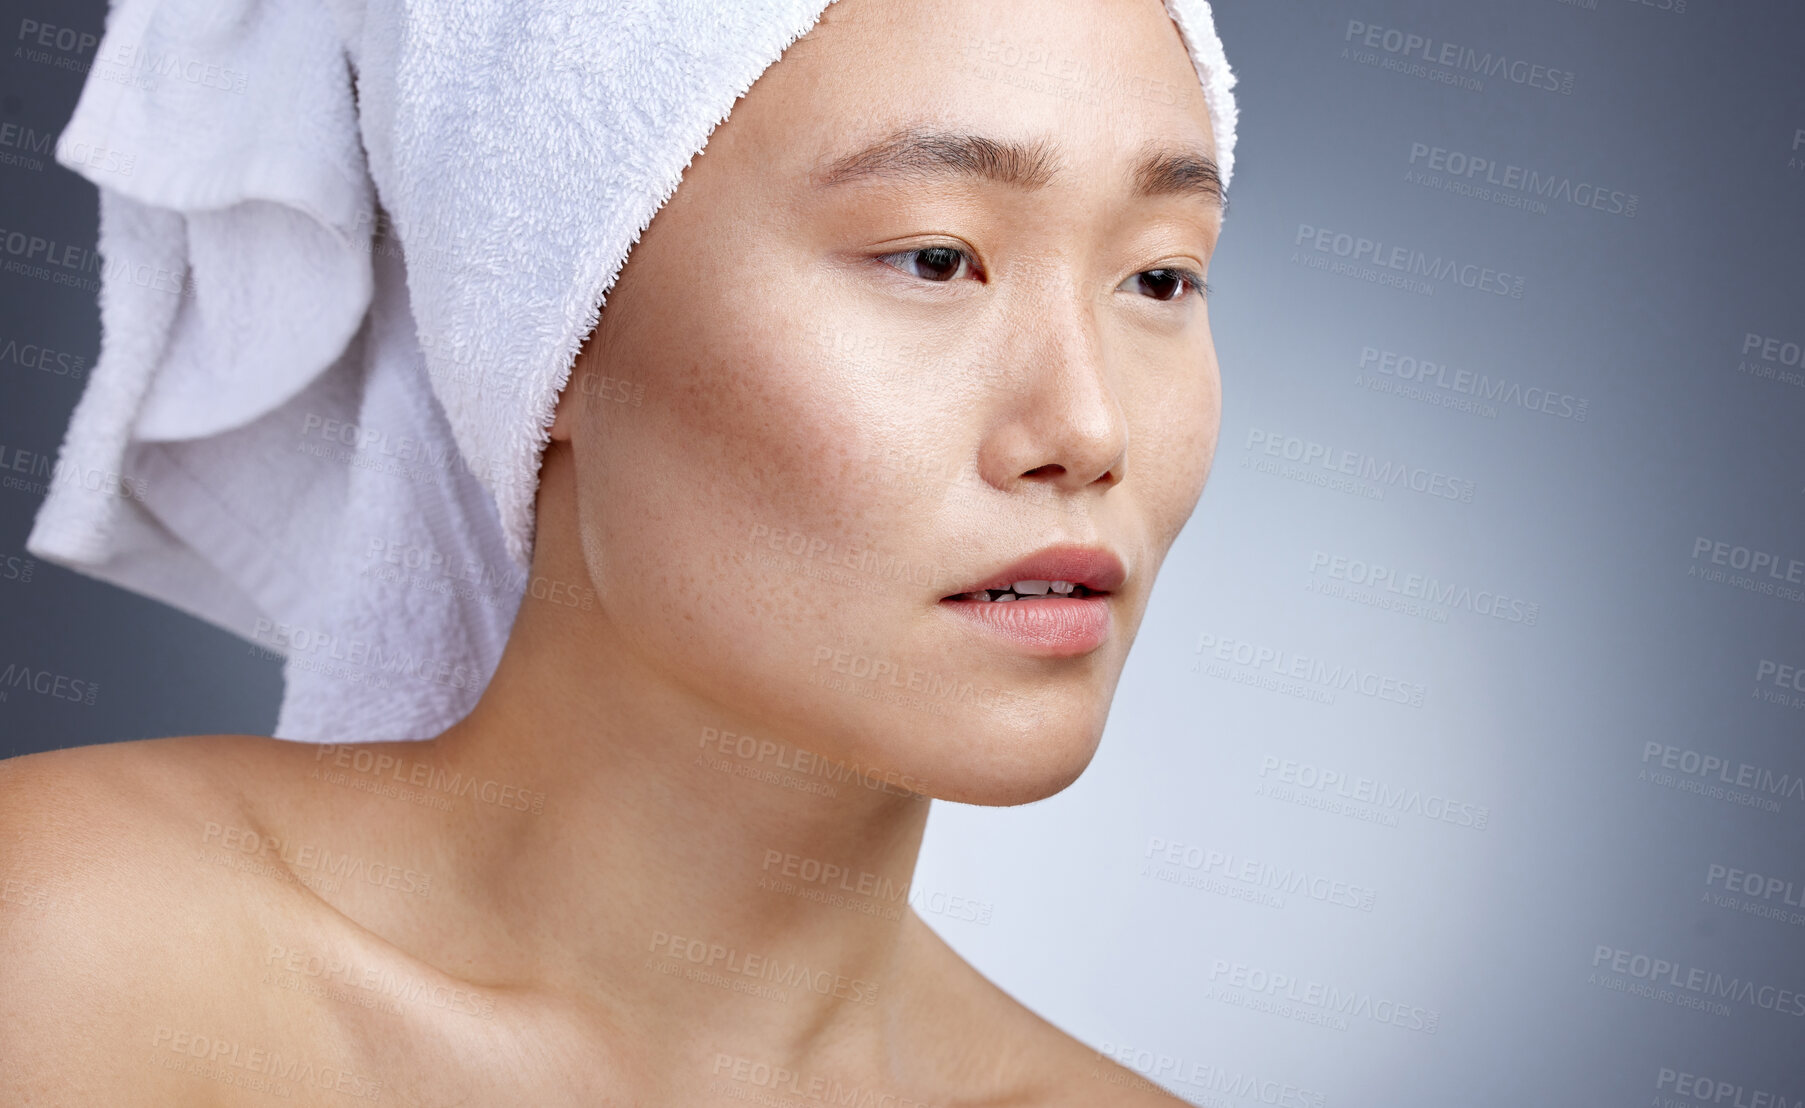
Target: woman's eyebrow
[(1168, 171), (921, 154)]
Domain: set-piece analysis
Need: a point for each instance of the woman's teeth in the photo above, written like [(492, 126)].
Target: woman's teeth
[(1022, 590)]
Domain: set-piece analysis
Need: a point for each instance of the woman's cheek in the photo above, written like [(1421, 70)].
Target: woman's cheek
[(1175, 455)]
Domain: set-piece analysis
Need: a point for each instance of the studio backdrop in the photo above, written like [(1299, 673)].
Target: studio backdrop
[(1460, 759)]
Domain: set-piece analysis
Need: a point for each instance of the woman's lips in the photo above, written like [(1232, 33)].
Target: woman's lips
[(1053, 603), (1091, 566), (1049, 626)]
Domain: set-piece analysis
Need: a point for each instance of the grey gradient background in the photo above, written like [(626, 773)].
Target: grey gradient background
[(1695, 107)]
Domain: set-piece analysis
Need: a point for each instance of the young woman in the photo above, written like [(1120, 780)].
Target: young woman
[(904, 311)]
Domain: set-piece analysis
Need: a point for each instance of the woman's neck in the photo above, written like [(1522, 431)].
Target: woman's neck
[(687, 863)]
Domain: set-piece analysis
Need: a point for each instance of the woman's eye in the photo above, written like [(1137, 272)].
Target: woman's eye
[(932, 263), (1166, 284)]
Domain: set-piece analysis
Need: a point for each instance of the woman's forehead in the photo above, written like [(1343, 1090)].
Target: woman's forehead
[(993, 92)]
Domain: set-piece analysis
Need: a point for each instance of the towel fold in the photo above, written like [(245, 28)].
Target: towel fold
[(327, 450)]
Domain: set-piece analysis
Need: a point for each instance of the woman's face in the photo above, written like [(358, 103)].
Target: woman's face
[(819, 403)]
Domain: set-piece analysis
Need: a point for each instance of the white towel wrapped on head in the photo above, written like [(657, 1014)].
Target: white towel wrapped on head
[(330, 452)]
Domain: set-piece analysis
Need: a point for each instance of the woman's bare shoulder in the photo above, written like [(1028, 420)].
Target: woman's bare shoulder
[(88, 806), (1076, 1075), (1019, 1057), (115, 934), (1070, 1073), (116, 808)]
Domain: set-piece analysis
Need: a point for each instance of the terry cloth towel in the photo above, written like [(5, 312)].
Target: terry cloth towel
[(296, 435)]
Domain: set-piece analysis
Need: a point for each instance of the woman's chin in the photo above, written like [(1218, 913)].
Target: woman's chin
[(995, 773)]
